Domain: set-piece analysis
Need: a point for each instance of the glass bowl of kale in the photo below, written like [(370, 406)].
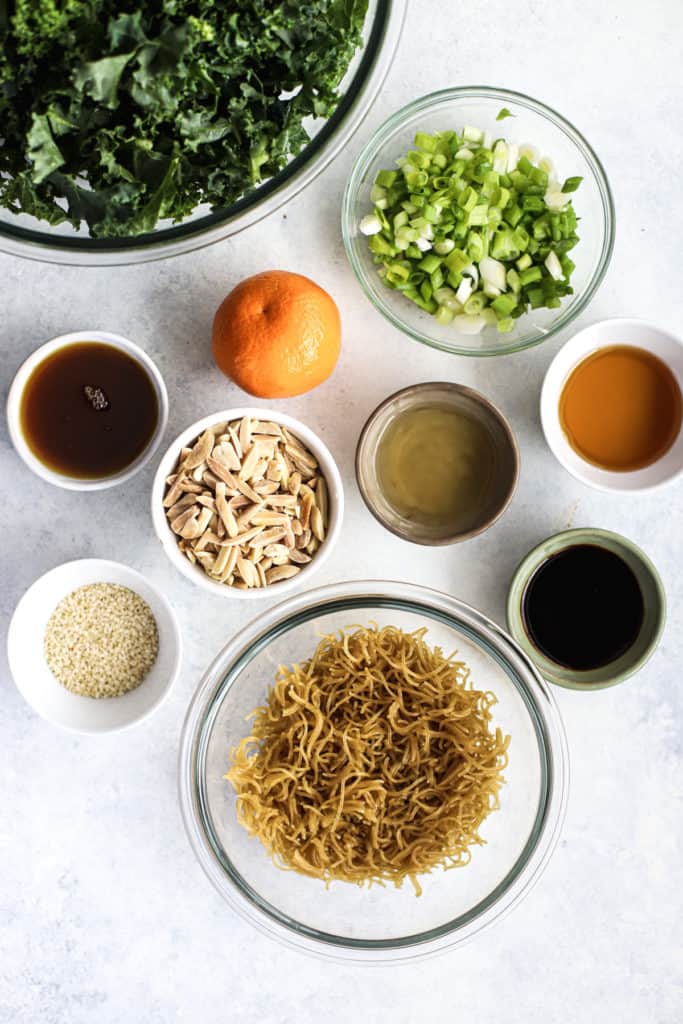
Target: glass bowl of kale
[(133, 131)]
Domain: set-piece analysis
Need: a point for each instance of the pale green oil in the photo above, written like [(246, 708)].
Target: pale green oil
[(435, 465)]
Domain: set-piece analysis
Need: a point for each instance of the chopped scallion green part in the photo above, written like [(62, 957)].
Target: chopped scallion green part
[(503, 113), (474, 230)]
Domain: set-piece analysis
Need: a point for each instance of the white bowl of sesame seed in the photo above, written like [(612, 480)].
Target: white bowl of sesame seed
[(93, 646)]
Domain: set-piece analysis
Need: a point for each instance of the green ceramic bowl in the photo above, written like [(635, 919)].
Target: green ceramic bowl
[(654, 599)]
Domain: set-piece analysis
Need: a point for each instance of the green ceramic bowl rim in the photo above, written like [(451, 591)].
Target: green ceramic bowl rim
[(523, 573)]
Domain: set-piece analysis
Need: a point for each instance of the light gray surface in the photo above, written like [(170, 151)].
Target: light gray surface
[(104, 915)]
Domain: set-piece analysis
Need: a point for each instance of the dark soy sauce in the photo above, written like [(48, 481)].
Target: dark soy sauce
[(583, 607), (89, 410)]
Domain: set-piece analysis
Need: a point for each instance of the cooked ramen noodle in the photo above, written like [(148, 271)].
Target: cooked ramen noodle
[(373, 761)]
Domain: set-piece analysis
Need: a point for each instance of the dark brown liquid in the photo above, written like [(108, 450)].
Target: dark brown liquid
[(583, 607), (88, 410)]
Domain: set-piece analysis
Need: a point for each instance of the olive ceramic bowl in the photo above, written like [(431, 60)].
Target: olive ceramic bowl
[(654, 601)]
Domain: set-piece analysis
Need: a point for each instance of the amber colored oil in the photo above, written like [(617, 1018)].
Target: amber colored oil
[(621, 408), (88, 437)]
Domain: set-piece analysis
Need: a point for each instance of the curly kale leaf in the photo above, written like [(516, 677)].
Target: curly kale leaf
[(116, 113)]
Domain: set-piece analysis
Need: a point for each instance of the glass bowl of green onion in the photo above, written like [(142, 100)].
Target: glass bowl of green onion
[(478, 221)]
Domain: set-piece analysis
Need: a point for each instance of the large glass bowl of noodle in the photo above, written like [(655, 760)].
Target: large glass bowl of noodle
[(377, 923)]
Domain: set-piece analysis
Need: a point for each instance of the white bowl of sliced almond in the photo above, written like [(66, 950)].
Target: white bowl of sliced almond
[(246, 501)]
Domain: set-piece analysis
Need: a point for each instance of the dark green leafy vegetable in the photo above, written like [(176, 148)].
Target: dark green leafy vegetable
[(122, 112)]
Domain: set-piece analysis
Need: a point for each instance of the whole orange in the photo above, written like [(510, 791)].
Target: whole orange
[(277, 334)]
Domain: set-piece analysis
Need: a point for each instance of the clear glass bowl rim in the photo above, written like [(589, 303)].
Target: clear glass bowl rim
[(81, 250), (379, 139), (535, 692)]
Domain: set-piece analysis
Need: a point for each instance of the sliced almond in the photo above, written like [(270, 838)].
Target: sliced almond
[(304, 539), (271, 536), (174, 492), (226, 454), (281, 572), (206, 560), (242, 538), (245, 434), (178, 523), (276, 551), (200, 452), (312, 546), (274, 471), (247, 571), (322, 499), (282, 500), (306, 506), (250, 462), (248, 503), (266, 427), (247, 491), (268, 518), (189, 529), (180, 505), (225, 512), (245, 518), (258, 472), (233, 431), (317, 523), (267, 487), (300, 557)]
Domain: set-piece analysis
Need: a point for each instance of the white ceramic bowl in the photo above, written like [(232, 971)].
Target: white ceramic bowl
[(620, 331), (14, 406), (169, 541), (36, 682)]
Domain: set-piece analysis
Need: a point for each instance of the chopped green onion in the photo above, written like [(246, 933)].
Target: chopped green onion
[(503, 113), (474, 230)]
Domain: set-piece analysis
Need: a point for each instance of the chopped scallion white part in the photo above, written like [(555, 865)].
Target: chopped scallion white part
[(500, 157), (492, 272), (529, 151), (443, 247), (513, 157), (465, 289), (553, 266), (370, 224), (487, 141), (423, 244), (471, 271), (555, 200), (469, 324), (491, 291), (472, 134), (464, 154), (546, 164)]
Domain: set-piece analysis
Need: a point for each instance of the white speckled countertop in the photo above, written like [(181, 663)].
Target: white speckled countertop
[(105, 917)]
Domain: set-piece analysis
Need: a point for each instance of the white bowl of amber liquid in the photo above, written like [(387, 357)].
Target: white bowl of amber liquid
[(87, 410), (611, 406)]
